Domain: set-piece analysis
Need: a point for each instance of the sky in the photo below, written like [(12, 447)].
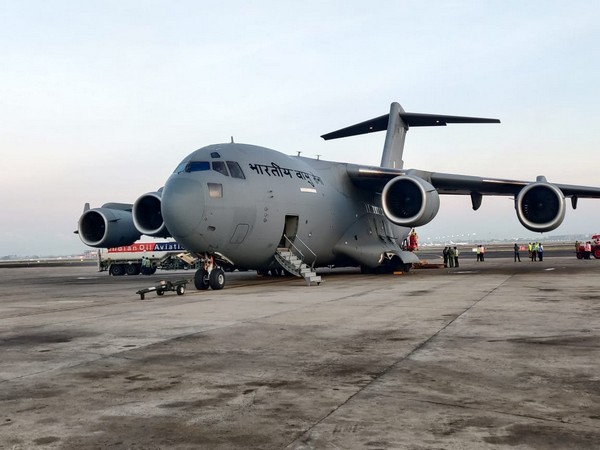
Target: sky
[(100, 100)]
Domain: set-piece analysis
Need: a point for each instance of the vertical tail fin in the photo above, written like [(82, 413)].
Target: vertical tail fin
[(394, 138), (397, 123)]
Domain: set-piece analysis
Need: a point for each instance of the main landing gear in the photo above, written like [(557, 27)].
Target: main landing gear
[(209, 276)]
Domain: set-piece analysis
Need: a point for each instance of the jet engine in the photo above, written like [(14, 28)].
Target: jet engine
[(107, 226), (410, 201), (147, 215), (540, 206)]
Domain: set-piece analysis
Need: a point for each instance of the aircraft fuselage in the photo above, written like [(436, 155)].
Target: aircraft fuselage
[(239, 200)]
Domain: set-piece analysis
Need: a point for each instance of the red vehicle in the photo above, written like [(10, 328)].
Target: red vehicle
[(595, 247)]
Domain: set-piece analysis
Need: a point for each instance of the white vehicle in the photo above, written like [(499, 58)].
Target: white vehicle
[(142, 257)]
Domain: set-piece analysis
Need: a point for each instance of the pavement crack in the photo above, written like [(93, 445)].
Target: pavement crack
[(396, 363)]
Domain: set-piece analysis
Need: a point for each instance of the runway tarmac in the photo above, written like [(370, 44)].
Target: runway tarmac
[(490, 355)]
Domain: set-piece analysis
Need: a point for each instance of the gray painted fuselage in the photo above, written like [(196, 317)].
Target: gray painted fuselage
[(314, 199)]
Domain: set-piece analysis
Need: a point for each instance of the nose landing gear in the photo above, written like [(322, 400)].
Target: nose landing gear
[(209, 276)]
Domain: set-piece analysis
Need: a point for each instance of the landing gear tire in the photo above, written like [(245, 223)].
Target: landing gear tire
[(217, 279), (406, 267), (201, 280), (366, 270), (116, 270)]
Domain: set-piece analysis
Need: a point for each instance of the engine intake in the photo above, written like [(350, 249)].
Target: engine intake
[(410, 201), (147, 215), (107, 227), (540, 206)]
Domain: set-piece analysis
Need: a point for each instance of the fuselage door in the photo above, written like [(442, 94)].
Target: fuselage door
[(289, 230)]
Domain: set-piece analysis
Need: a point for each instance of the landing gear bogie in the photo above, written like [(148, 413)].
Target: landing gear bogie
[(215, 279)]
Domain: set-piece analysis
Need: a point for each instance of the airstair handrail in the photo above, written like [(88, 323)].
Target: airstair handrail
[(300, 252)]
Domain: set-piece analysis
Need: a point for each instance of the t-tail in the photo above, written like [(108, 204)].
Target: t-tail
[(397, 123)]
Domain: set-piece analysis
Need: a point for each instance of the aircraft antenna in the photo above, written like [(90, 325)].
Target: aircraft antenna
[(299, 153), (318, 157), (232, 140)]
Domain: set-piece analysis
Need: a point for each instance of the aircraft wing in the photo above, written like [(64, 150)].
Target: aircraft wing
[(410, 198), (375, 178)]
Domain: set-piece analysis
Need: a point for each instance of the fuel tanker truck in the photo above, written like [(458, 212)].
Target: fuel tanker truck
[(144, 258)]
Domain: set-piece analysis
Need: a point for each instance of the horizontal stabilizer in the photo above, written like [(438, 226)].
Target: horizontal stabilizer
[(410, 119)]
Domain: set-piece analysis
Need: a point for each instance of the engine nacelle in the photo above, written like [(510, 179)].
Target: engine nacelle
[(147, 215), (107, 227), (410, 201), (540, 206)]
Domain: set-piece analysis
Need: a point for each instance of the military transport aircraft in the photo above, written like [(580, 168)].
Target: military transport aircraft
[(249, 207)]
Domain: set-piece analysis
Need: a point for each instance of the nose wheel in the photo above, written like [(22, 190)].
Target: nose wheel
[(214, 278)]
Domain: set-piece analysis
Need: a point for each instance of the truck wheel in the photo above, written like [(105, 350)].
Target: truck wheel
[(132, 269), (180, 290), (116, 270), (217, 279), (596, 252), (579, 255), (159, 292), (201, 280)]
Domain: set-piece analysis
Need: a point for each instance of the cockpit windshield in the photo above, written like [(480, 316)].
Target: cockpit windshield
[(235, 170), (217, 166), (197, 166)]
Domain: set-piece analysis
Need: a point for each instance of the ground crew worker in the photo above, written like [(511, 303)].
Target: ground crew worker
[(534, 251), (530, 250), (146, 265), (456, 252), (413, 241), (450, 257), (517, 256), (587, 250), (445, 255), (478, 253), (540, 251)]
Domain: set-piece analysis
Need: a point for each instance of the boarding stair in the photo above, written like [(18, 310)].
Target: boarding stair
[(292, 259)]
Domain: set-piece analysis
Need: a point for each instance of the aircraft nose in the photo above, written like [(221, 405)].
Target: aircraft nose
[(182, 205)]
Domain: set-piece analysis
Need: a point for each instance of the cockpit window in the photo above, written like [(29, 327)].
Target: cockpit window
[(180, 168), (219, 166), (197, 166), (235, 170)]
